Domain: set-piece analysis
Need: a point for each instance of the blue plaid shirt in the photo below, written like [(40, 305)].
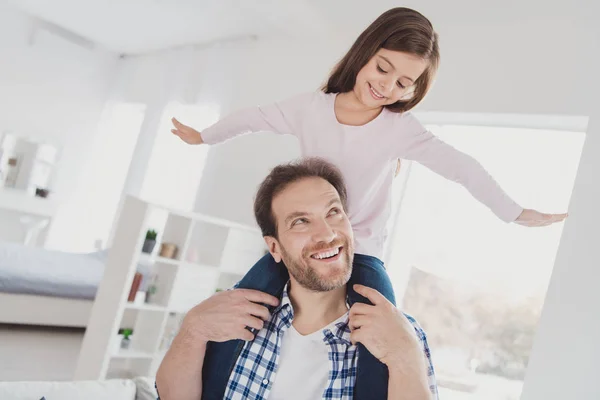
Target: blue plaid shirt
[(256, 367)]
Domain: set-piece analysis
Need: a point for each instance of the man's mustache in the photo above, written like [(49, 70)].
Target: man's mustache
[(326, 246)]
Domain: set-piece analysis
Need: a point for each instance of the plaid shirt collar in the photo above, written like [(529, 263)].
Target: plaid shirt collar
[(253, 374), (284, 312)]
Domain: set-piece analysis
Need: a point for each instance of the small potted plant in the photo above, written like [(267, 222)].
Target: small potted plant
[(150, 241), (126, 341)]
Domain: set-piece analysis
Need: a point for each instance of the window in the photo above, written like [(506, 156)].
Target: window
[(175, 168), (475, 283)]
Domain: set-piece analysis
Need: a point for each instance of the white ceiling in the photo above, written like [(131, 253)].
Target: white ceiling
[(139, 26)]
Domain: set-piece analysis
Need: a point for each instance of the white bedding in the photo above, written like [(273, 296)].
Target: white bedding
[(31, 270)]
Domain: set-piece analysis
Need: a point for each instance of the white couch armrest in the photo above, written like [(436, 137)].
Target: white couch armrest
[(113, 389)]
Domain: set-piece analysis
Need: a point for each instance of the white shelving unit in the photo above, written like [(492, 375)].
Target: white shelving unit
[(212, 254)]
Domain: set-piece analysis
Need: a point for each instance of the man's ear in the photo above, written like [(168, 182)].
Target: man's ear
[(274, 247)]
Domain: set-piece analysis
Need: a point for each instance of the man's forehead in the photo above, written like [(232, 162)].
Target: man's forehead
[(304, 194)]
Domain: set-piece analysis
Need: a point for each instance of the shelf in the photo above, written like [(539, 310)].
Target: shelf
[(164, 260), (198, 265), (23, 202), (145, 307), (197, 217), (170, 261), (205, 245), (132, 354), (178, 311), (158, 259)]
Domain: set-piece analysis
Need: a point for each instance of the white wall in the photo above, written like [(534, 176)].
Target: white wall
[(53, 90), (564, 360), (528, 56)]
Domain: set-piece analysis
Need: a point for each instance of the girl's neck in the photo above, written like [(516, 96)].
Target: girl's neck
[(349, 110)]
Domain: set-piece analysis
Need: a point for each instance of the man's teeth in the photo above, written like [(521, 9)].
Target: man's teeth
[(326, 254)]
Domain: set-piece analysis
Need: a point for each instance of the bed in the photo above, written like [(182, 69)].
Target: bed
[(46, 287)]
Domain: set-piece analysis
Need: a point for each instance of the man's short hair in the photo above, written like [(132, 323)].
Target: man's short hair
[(285, 174)]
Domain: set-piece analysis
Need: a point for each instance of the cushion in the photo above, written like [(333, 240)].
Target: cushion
[(114, 389), (145, 388)]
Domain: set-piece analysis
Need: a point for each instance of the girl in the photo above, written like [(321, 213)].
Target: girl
[(360, 121)]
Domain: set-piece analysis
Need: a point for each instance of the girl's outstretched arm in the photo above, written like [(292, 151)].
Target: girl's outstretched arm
[(427, 149), (281, 117)]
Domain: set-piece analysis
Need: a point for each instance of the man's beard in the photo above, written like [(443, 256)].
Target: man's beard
[(306, 275)]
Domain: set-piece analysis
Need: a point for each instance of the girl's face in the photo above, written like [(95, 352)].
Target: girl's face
[(388, 77)]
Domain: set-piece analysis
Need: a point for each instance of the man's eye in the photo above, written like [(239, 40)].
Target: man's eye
[(334, 211), (299, 221)]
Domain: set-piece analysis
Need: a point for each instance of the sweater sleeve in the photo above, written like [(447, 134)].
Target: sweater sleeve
[(427, 149), (282, 117)]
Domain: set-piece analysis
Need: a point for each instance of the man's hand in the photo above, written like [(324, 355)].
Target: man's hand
[(383, 330), (225, 315), (389, 336)]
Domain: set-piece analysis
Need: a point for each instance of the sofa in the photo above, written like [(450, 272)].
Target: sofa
[(139, 388)]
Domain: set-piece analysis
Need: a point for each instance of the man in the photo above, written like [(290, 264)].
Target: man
[(302, 345)]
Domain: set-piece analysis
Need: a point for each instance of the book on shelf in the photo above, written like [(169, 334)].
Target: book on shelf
[(135, 286)]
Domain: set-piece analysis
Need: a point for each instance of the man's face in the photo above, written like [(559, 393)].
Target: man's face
[(315, 237)]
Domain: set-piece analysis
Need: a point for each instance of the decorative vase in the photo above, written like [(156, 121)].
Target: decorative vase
[(148, 246), (168, 250)]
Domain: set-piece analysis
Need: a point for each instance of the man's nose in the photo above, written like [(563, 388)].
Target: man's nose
[(323, 232)]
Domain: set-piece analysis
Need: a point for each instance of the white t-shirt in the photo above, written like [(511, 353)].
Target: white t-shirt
[(304, 365), (366, 156)]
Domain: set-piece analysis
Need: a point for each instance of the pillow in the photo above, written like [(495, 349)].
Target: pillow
[(114, 389), (145, 388)]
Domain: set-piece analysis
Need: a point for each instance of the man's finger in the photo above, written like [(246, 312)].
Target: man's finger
[(373, 295), (246, 335), (356, 336), (360, 309), (259, 311), (254, 322), (258, 297), (358, 322)]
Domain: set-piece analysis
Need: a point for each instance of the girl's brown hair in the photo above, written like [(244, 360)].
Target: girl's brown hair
[(398, 29)]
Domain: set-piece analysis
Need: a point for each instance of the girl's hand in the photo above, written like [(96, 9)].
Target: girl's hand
[(186, 133), (533, 218)]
